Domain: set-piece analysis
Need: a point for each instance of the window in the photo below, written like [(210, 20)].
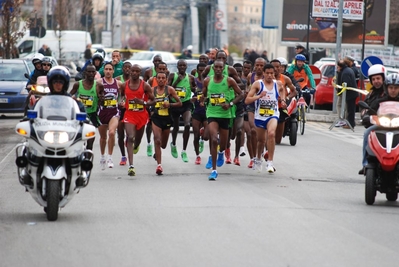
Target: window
[(235, 9)]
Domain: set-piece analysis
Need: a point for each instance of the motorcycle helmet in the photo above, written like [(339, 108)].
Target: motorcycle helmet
[(58, 73), (47, 60), (283, 61), (377, 69), (300, 57), (100, 51), (37, 58), (392, 79)]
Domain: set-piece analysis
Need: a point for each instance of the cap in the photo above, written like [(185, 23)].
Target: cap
[(207, 51), (350, 58), (299, 46)]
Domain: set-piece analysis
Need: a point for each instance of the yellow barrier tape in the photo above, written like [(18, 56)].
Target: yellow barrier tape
[(344, 88)]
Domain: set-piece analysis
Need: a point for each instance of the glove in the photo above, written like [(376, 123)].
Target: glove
[(366, 121)]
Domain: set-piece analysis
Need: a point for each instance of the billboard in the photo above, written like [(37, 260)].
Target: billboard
[(323, 23)]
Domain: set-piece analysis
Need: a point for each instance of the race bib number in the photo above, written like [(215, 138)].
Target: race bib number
[(181, 92), (159, 106), (110, 102), (217, 99), (135, 106), (266, 111), (86, 100)]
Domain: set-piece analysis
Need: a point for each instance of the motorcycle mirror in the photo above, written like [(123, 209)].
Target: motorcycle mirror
[(26, 76), (300, 80), (364, 105)]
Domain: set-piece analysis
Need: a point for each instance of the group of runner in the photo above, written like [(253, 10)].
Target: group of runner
[(221, 102)]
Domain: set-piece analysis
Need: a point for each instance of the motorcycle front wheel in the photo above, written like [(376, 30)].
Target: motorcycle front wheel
[(371, 190), (53, 192)]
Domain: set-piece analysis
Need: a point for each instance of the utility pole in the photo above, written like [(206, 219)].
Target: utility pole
[(45, 13), (338, 48)]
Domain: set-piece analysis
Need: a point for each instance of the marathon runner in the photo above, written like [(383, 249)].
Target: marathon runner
[(136, 93), (184, 84), (218, 90)]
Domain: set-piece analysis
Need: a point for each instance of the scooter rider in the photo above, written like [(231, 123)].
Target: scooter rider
[(37, 62), (376, 75), (283, 70)]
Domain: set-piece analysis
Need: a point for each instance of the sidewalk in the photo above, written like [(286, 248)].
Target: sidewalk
[(326, 116)]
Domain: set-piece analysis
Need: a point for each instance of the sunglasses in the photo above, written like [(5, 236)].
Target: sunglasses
[(46, 65), (58, 81)]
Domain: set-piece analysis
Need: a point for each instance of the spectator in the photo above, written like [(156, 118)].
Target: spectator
[(88, 54), (300, 49), (45, 50), (253, 56), (264, 56), (346, 75), (245, 55), (184, 55)]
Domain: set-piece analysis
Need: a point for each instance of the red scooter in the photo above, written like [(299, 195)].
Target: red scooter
[(382, 170)]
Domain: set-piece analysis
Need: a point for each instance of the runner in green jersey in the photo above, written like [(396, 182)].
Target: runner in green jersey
[(184, 84), (218, 90), (89, 92)]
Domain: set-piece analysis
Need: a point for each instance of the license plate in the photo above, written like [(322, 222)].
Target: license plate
[(3, 100)]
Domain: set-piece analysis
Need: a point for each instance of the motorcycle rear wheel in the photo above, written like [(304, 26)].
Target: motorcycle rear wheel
[(392, 196), (53, 190), (293, 133), (371, 190)]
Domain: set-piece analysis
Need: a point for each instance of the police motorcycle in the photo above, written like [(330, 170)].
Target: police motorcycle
[(53, 163)]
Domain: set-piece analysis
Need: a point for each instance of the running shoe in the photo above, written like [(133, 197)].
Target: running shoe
[(159, 170), (242, 151), (103, 163), (201, 146), (184, 156), (251, 164), (131, 171), (209, 163), (123, 161), (198, 160), (258, 165), (149, 150), (173, 150), (136, 149), (220, 159), (228, 156), (237, 161), (213, 176), (110, 163), (270, 168)]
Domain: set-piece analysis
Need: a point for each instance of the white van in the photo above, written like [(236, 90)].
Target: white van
[(71, 41)]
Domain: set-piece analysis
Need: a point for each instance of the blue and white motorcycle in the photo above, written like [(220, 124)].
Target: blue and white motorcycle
[(53, 162)]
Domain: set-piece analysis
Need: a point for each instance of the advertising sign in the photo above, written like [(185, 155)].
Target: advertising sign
[(323, 23), (353, 10)]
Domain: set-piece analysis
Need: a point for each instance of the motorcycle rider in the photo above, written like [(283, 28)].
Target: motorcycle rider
[(37, 62), (376, 75)]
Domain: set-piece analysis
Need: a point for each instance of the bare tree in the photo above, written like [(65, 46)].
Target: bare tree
[(10, 12)]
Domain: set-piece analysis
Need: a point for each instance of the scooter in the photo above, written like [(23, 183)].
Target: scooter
[(382, 170), (53, 163)]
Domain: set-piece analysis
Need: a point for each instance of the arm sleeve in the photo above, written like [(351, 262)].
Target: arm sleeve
[(291, 69), (310, 76)]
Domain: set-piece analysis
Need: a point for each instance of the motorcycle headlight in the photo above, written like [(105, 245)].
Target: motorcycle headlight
[(384, 121), (55, 137), (24, 91), (395, 123)]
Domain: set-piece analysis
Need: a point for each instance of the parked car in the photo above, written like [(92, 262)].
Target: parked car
[(13, 93), (324, 94), (144, 58), (191, 64)]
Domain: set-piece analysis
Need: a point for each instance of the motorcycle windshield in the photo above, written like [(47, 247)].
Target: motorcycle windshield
[(388, 108), (56, 107)]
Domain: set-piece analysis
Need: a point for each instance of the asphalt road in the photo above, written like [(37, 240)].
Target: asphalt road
[(311, 212)]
